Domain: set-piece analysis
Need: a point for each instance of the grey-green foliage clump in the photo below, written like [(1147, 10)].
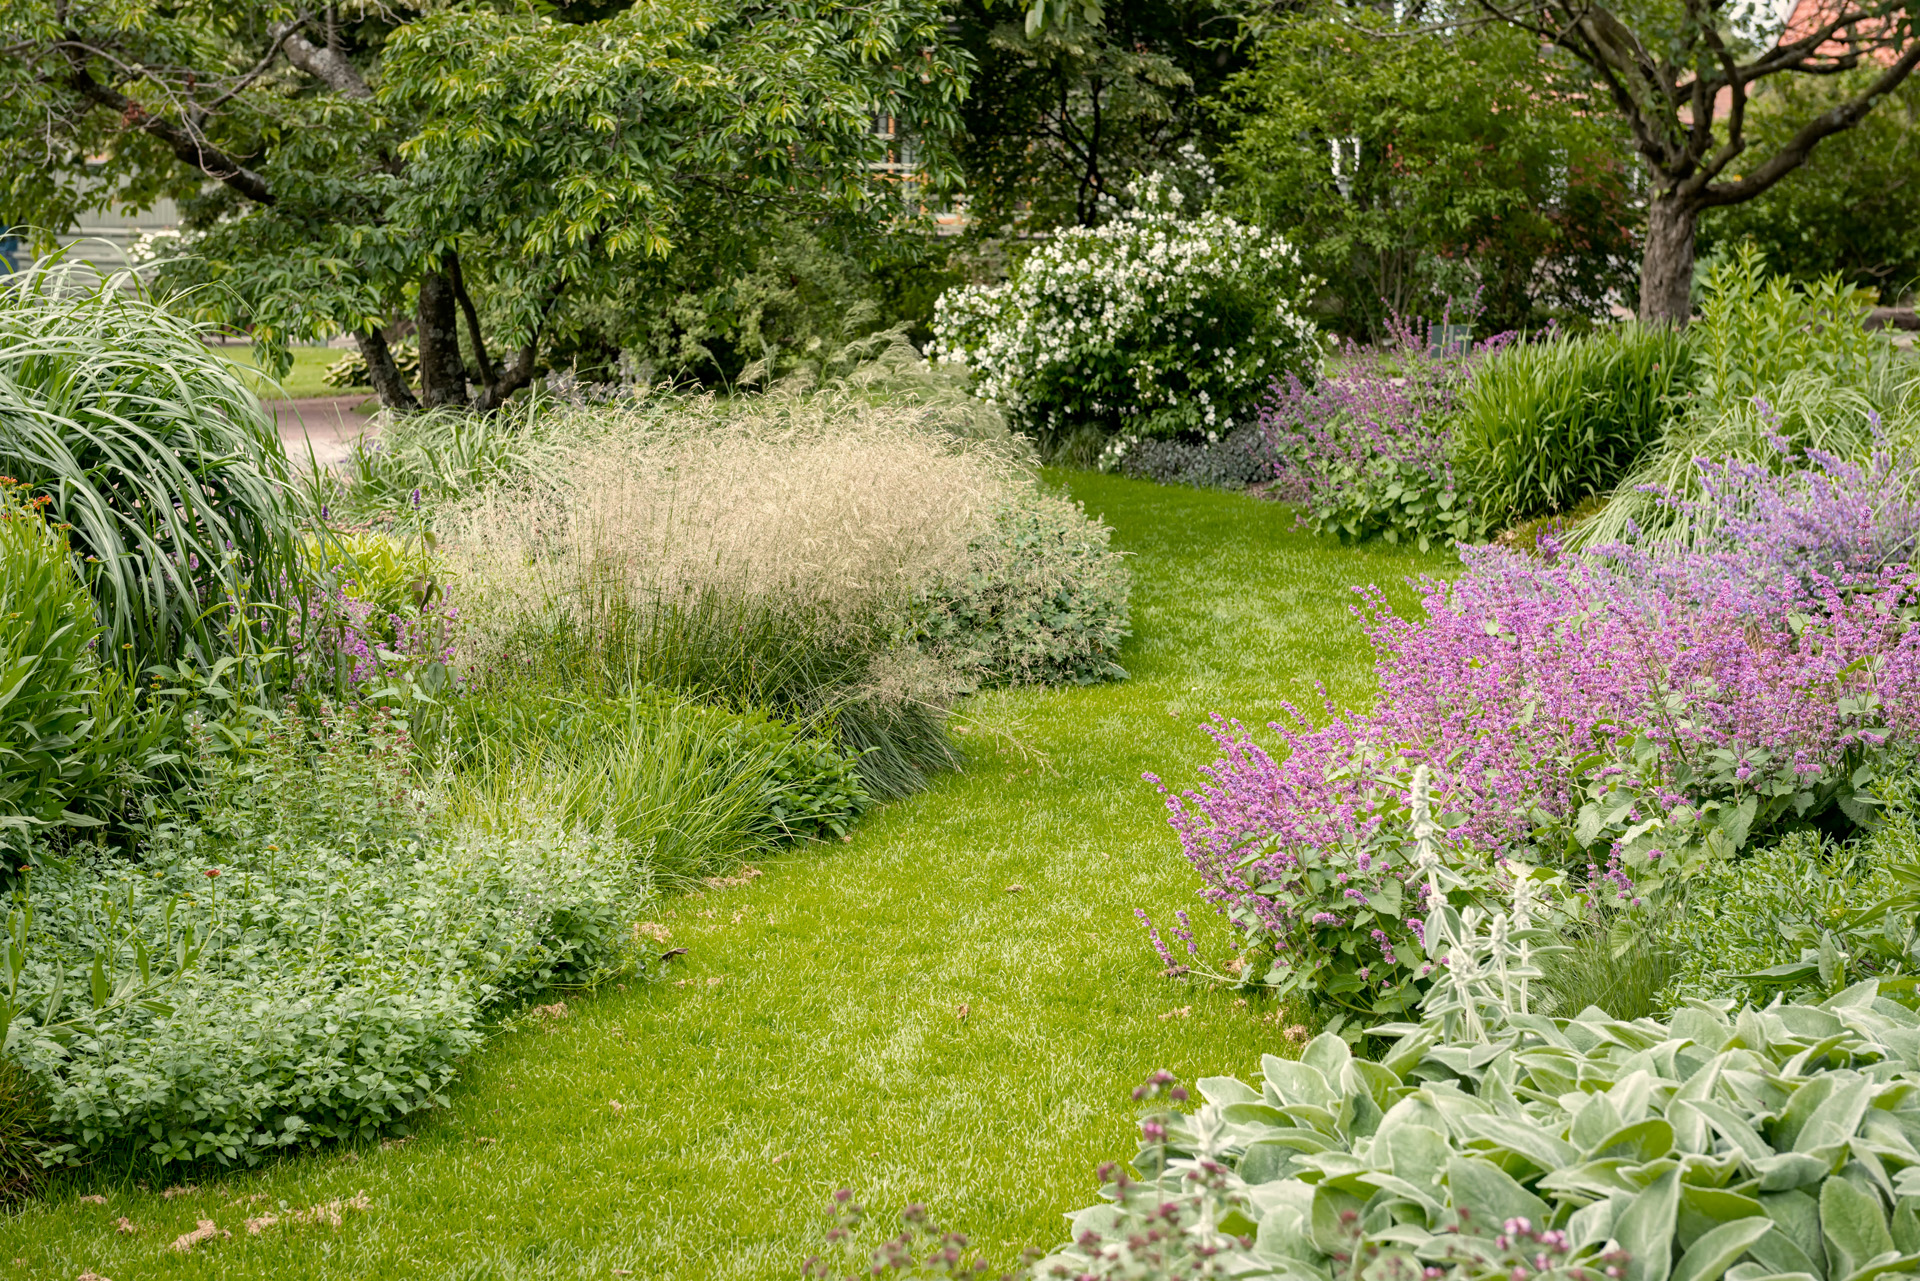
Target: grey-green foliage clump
[(1044, 598), (305, 953), (1777, 1143)]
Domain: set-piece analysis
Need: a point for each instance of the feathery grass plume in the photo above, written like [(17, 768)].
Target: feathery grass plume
[(765, 551), (156, 454)]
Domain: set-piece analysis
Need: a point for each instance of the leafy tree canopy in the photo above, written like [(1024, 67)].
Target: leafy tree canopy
[(1853, 208), (1416, 163), (501, 169)]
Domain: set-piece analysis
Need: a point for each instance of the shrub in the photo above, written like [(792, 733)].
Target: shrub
[(305, 953), (152, 449), (1716, 1143), (1543, 425), (1043, 599), (1235, 460), (1367, 448), (1155, 324), (1805, 916), (1622, 718)]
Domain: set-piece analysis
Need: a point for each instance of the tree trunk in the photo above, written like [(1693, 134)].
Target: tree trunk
[(1666, 266), (443, 375), (383, 375)]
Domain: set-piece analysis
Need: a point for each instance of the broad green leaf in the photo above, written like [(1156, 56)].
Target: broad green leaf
[(1488, 1196), (1645, 1230), (1717, 1251), (1854, 1226)]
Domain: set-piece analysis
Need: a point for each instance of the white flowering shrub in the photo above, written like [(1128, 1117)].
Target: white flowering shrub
[(1156, 325)]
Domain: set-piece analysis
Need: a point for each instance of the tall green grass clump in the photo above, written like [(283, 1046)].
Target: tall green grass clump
[(1774, 360), (157, 457), (695, 790), (1544, 425), (68, 743)]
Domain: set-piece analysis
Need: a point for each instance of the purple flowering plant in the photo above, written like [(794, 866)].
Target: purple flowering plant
[(1366, 449), (1619, 715)]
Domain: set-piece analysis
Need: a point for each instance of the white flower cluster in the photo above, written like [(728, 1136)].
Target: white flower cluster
[(1154, 323)]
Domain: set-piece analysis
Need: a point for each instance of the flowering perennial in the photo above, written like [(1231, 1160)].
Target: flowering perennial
[(1634, 708), (1366, 449), (1153, 325)]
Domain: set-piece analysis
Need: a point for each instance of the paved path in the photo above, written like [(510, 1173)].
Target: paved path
[(327, 424)]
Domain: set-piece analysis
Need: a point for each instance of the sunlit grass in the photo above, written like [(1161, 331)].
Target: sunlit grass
[(305, 379), (891, 1014)]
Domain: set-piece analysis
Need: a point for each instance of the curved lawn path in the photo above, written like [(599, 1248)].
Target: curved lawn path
[(814, 1037)]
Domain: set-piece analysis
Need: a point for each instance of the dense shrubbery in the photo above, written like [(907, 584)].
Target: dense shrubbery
[(1153, 326), (1628, 717), (1042, 598), (1367, 450), (69, 746), (1235, 460), (785, 552)]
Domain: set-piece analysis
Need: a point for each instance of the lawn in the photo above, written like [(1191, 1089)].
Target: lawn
[(303, 380), (950, 1008)]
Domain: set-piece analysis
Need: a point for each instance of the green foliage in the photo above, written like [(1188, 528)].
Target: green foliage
[(1747, 1144), (1155, 324), (1854, 207), (351, 369), (1044, 599), (69, 743), (1773, 359), (1412, 166), (628, 766), (532, 167), (1058, 121), (23, 1123), (168, 476), (308, 951), (1544, 425)]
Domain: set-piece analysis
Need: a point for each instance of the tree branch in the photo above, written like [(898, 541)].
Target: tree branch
[(186, 144), (459, 282), (322, 62), (1795, 152)]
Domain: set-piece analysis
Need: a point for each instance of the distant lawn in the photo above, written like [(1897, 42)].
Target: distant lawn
[(950, 1009), (302, 381)]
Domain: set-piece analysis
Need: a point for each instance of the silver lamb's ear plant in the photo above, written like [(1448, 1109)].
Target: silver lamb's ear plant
[(1484, 980)]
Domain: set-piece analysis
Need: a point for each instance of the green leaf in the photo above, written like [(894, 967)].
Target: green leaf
[(1645, 1230), (1715, 1252), (1491, 1194), (1853, 1225)]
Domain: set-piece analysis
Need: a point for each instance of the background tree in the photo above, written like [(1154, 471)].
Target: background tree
[(1853, 207), (1067, 108), (500, 172), (1414, 165), (1683, 76)]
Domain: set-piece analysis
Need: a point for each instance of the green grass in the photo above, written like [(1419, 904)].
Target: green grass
[(302, 381), (811, 1038)]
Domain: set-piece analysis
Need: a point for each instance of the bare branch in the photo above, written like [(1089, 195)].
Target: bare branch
[(322, 62)]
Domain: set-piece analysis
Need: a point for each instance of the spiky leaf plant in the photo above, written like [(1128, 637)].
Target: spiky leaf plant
[(153, 451)]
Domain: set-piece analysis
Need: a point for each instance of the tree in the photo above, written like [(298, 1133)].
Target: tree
[(499, 170), (1068, 108), (1683, 75), (1853, 208), (1414, 165)]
